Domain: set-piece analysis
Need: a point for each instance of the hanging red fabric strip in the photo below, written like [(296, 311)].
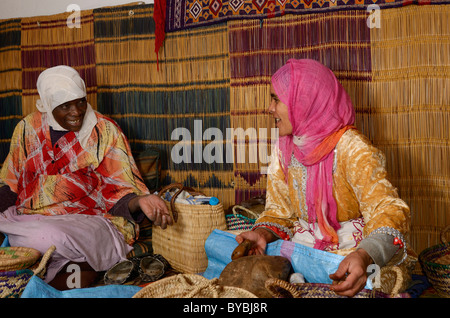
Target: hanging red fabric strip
[(159, 16)]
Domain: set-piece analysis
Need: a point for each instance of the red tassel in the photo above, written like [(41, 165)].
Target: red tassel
[(159, 16)]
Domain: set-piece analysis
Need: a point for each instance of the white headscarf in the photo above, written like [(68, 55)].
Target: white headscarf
[(58, 85)]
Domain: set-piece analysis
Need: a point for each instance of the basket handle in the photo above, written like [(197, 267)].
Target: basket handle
[(443, 240), (40, 270), (180, 188), (278, 287), (242, 249), (250, 212)]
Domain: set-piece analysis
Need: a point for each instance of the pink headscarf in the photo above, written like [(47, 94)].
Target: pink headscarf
[(320, 111)]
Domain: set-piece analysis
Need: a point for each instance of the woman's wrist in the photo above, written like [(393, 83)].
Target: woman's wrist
[(367, 259), (133, 205), (266, 234)]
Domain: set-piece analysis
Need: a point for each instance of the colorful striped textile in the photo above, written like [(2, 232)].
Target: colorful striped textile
[(184, 14)]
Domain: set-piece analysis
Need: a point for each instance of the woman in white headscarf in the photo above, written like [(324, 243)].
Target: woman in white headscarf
[(70, 180)]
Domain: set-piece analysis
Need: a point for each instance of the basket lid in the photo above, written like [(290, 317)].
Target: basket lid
[(191, 286), (17, 257)]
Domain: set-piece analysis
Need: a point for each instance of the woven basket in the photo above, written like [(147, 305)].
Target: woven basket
[(13, 282), (16, 257), (190, 286), (237, 221), (183, 243), (283, 289), (435, 262)]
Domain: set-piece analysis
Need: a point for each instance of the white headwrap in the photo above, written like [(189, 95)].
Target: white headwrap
[(58, 85)]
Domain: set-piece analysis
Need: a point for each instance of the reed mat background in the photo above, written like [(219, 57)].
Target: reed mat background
[(218, 76), (409, 112)]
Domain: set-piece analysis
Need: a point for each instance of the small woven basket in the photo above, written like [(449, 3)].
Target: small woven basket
[(183, 243), (16, 257), (435, 262), (13, 282), (191, 286)]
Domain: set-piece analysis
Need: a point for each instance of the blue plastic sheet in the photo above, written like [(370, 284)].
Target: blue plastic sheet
[(37, 288), (315, 265)]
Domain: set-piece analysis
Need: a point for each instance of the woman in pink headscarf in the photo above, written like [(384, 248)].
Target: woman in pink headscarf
[(327, 185)]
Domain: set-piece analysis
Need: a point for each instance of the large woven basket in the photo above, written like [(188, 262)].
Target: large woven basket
[(435, 262), (183, 243), (16, 257), (13, 282), (191, 286)]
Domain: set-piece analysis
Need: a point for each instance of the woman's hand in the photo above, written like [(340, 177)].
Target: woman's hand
[(153, 207), (259, 238), (351, 275)]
